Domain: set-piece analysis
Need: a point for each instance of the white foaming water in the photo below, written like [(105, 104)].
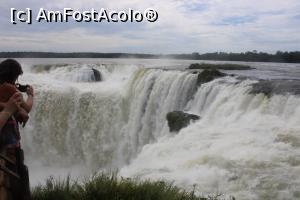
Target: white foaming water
[(105, 124), (245, 145)]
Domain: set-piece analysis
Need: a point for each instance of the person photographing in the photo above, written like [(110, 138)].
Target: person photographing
[(14, 111), (9, 108)]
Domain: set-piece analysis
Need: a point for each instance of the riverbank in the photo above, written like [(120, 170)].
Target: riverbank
[(109, 186)]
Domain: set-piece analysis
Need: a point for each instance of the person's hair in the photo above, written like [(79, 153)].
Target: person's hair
[(10, 69)]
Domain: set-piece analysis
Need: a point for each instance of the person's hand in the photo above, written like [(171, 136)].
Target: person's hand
[(30, 91), (13, 103), (22, 117), (2, 105)]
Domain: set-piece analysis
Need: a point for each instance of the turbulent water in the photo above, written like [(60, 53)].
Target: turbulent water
[(246, 144)]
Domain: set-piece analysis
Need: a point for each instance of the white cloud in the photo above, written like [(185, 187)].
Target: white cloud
[(70, 40), (183, 26)]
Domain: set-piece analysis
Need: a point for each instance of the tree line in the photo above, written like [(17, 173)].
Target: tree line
[(250, 56)]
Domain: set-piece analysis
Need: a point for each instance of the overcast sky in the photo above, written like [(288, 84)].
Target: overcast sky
[(183, 26)]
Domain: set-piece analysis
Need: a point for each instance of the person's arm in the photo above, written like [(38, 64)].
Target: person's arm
[(4, 116), (11, 106), (27, 105), (21, 116), (2, 105)]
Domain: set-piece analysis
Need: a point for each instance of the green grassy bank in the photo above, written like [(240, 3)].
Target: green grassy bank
[(109, 187)]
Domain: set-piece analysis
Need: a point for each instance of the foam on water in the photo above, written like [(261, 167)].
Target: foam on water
[(245, 145), (105, 124)]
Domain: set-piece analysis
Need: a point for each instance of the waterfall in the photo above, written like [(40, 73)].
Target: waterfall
[(105, 128), (245, 144)]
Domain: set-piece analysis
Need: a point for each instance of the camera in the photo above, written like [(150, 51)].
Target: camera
[(22, 88)]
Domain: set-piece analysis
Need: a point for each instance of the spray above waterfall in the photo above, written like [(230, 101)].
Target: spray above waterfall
[(245, 143)]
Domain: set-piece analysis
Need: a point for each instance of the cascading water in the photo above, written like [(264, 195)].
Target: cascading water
[(245, 145), (86, 122)]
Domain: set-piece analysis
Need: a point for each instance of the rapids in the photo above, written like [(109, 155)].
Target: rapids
[(246, 144)]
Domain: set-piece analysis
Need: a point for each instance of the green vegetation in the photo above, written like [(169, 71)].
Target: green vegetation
[(219, 66), (109, 187), (249, 56), (208, 75)]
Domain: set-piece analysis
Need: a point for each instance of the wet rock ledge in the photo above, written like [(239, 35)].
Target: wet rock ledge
[(276, 86), (220, 66), (208, 75), (179, 119)]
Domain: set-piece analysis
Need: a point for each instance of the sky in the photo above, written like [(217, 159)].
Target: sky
[(183, 26)]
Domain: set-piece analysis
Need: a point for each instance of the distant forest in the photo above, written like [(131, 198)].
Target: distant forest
[(251, 56)]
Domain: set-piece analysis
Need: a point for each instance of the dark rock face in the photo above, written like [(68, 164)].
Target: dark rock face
[(220, 66), (278, 86), (97, 75), (178, 120), (208, 75)]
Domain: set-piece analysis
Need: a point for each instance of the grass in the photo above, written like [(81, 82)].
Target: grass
[(109, 187), (219, 66)]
